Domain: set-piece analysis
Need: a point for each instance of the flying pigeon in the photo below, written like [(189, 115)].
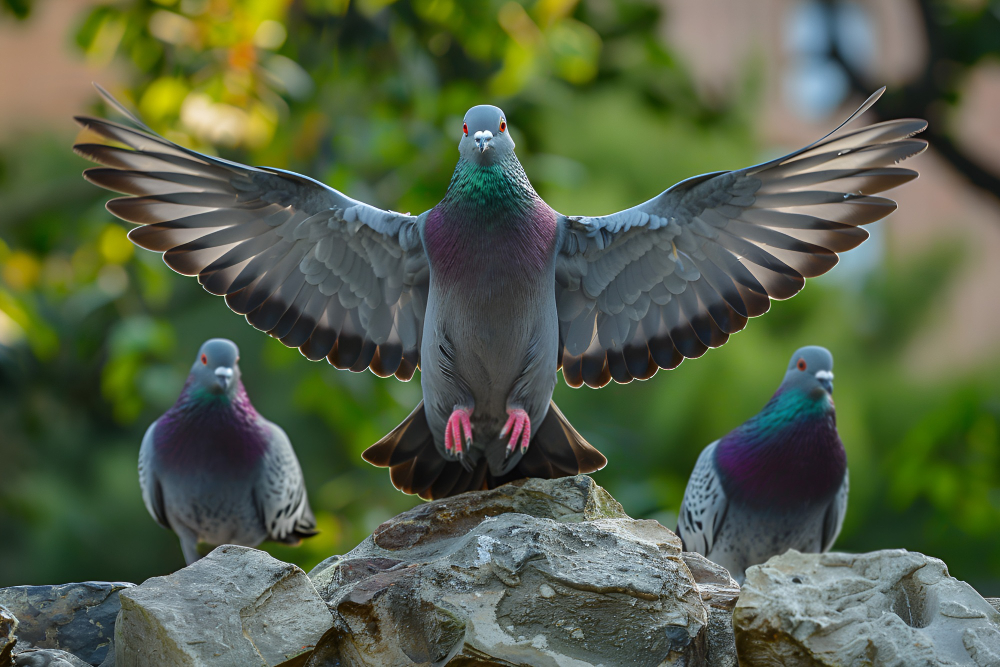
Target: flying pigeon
[(213, 470), (779, 481), (491, 292)]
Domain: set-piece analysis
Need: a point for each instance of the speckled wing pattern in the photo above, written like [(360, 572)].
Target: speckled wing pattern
[(280, 492), (833, 520), (317, 270), (647, 287), (703, 511)]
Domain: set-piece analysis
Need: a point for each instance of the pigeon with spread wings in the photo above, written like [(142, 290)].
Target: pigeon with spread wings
[(492, 291)]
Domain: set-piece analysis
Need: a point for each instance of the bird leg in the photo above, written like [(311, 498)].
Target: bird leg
[(519, 426), (457, 426)]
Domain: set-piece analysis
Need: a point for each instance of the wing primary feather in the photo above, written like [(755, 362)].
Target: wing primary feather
[(618, 367), (572, 368)]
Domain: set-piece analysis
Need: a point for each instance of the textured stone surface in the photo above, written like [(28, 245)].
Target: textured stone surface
[(110, 660), (237, 606), (882, 608), (77, 618), (47, 657), (719, 592), (8, 626), (539, 572)]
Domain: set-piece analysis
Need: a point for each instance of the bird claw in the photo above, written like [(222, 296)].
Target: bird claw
[(457, 426), (519, 426)]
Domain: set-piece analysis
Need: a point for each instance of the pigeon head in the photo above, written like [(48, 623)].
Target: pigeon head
[(215, 368), (811, 370), (485, 137)]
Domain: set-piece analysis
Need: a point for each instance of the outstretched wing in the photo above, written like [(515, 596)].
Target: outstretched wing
[(315, 269), (644, 288), (703, 510)]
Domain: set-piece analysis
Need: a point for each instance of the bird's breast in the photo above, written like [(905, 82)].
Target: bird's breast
[(223, 442), (490, 249), (804, 462)]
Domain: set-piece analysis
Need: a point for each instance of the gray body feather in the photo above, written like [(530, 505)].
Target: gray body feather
[(777, 482), (213, 470), (201, 506), (486, 349), (736, 536)]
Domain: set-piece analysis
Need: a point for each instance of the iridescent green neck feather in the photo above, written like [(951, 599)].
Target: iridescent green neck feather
[(490, 216)]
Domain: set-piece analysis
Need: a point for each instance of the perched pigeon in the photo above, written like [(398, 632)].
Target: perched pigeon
[(213, 470), (777, 482), (492, 291)]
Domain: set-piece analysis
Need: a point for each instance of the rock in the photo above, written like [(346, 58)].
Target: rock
[(236, 606), (537, 572), (76, 618), (110, 660), (891, 607), (8, 627), (47, 657), (719, 592), (994, 602)]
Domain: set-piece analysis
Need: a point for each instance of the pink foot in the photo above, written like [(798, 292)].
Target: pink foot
[(519, 427), (457, 426)]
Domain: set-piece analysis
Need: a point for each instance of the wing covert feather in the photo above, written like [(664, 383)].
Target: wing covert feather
[(703, 510)]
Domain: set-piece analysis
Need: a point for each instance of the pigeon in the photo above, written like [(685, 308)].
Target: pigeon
[(213, 470), (491, 292), (779, 481)]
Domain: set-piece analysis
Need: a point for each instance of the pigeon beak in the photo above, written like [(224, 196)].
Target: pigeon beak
[(483, 139), (825, 379), (224, 376)]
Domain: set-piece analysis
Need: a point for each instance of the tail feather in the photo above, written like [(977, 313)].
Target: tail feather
[(425, 467), (564, 447), (403, 443), (416, 467)]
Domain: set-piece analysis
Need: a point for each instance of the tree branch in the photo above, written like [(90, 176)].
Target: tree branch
[(920, 99)]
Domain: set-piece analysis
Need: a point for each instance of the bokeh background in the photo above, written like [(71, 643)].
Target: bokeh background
[(610, 102)]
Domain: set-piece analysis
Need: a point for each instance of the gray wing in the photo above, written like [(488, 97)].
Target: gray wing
[(833, 520), (703, 510), (315, 269), (645, 288), (280, 492), (152, 493)]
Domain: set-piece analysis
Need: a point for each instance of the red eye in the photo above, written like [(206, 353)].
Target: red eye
[(503, 125), (204, 359), (801, 365), (465, 129)]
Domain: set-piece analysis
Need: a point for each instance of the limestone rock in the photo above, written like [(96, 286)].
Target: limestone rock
[(719, 592), (8, 626), (47, 657), (237, 606), (76, 618), (537, 572), (891, 607)]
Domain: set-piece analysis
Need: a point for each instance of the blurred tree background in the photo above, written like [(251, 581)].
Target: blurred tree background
[(367, 95)]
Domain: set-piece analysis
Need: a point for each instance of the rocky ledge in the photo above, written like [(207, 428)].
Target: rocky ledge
[(538, 572), (534, 573)]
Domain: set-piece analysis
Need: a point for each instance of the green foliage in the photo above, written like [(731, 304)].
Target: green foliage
[(19, 9), (96, 338)]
